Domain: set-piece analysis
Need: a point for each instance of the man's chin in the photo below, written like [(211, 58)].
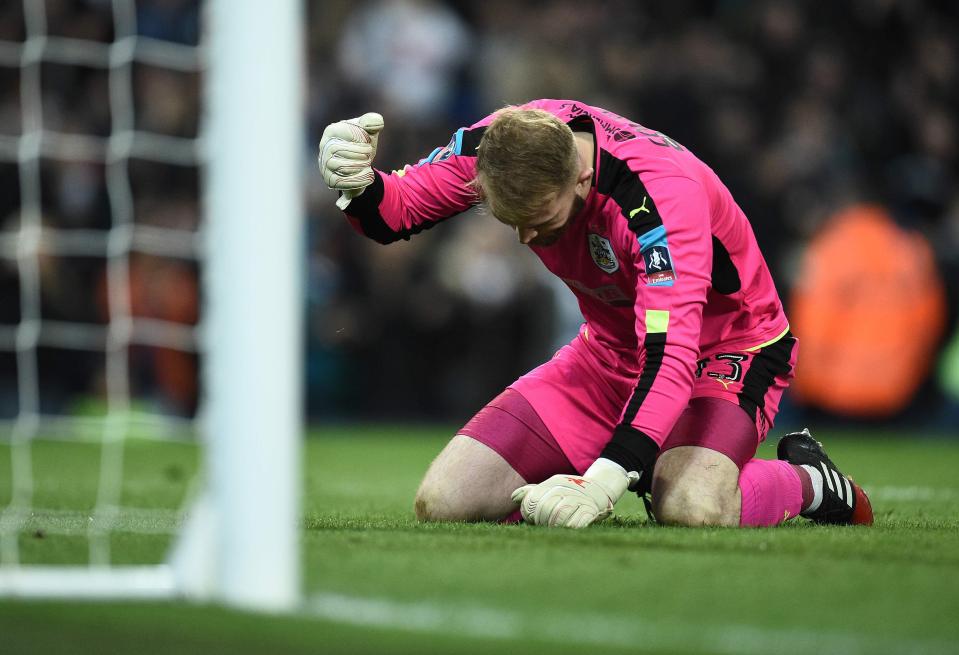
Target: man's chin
[(545, 241)]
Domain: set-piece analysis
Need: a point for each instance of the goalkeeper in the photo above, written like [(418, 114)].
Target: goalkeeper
[(677, 372)]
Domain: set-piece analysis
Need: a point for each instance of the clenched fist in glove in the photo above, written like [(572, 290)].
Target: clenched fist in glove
[(574, 501), (346, 155)]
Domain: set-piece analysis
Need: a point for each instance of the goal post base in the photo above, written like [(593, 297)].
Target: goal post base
[(239, 544), (156, 582)]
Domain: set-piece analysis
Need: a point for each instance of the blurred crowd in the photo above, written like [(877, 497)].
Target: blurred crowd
[(803, 108), (74, 196)]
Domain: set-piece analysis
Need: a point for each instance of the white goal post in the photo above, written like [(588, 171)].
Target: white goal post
[(255, 209), (240, 542)]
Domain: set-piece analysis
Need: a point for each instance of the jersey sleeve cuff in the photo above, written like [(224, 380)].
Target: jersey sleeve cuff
[(368, 202), (365, 210), (634, 450)]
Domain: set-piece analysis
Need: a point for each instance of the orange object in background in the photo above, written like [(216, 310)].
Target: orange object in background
[(869, 309)]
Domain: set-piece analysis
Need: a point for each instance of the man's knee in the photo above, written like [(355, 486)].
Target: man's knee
[(434, 504), (424, 506), (467, 481), (695, 486), (687, 507)]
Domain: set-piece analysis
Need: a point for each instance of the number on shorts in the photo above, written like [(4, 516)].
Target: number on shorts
[(733, 359)]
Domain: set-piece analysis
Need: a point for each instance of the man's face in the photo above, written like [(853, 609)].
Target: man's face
[(546, 229)]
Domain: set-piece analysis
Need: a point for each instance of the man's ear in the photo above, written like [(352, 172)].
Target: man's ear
[(585, 175)]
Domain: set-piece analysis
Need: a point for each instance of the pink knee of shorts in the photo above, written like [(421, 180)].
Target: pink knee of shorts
[(716, 424), (511, 427)]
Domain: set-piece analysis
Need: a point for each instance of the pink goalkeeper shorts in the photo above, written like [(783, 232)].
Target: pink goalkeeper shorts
[(558, 417)]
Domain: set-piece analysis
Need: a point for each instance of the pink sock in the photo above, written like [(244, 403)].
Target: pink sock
[(771, 490)]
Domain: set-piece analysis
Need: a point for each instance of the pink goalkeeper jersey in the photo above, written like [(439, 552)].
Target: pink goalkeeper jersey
[(662, 260)]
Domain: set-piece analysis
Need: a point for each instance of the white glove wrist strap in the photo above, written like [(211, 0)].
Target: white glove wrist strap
[(613, 477)]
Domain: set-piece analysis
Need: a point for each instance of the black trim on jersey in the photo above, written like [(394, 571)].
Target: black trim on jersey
[(585, 125), (768, 363), (471, 141), (634, 450), (655, 347), (629, 447), (366, 206), (725, 277), (582, 123), (628, 191)]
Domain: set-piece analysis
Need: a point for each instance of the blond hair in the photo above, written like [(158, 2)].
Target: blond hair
[(525, 157)]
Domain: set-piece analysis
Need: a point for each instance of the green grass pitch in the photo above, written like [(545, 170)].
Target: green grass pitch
[(378, 582)]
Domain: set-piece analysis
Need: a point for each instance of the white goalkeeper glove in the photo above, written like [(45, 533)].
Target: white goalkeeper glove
[(573, 501), (346, 155)]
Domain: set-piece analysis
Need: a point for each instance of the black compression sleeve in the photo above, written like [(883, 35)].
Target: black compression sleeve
[(634, 451), (366, 207)]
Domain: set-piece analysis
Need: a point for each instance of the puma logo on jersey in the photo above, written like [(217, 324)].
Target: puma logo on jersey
[(641, 208)]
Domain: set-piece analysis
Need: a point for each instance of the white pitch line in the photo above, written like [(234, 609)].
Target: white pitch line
[(913, 494), (77, 522), (607, 629)]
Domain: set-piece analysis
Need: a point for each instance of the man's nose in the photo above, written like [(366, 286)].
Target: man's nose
[(526, 234)]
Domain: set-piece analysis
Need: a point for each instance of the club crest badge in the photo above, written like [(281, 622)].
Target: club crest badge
[(602, 252)]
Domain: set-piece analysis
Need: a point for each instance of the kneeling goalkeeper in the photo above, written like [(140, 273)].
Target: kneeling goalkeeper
[(677, 372)]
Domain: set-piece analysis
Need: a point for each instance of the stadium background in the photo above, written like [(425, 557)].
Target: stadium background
[(802, 108)]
